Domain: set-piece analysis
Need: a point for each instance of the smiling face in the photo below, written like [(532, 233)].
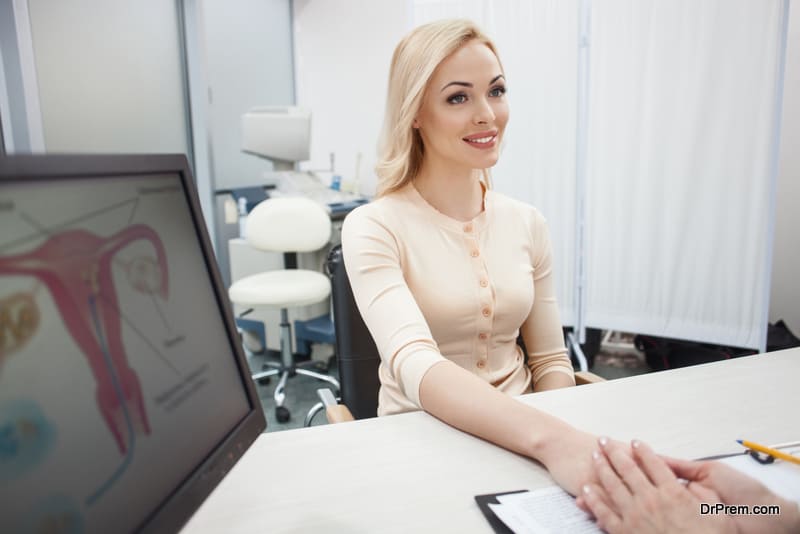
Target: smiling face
[(464, 111)]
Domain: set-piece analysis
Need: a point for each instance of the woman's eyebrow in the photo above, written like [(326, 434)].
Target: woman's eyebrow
[(467, 84)]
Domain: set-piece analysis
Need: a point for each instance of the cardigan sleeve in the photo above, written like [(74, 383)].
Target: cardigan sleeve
[(542, 330), (402, 336)]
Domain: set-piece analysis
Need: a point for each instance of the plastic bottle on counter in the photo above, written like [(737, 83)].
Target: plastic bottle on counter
[(242, 217)]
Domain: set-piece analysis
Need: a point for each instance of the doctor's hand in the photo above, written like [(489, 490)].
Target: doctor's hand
[(641, 494), (734, 488)]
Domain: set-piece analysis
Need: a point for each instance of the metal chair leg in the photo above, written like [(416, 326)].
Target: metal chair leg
[(327, 399), (279, 395), (265, 374), (287, 358), (281, 412), (319, 376), (312, 412)]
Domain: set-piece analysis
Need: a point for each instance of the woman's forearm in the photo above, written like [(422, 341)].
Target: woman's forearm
[(555, 380), (466, 402)]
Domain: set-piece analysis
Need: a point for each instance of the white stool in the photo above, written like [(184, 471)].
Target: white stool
[(288, 225)]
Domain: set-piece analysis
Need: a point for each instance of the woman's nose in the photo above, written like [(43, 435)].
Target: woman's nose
[(484, 112)]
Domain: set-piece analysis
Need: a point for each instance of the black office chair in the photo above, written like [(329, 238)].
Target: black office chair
[(358, 355), (356, 352)]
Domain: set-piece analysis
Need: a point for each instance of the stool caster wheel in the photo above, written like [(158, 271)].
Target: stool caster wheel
[(282, 414), (263, 381)]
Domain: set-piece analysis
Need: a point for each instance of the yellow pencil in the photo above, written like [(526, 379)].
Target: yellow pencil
[(766, 450)]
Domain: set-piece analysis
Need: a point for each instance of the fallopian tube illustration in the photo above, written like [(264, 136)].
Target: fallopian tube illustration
[(75, 265)]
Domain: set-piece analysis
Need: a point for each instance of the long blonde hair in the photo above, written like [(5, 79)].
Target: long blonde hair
[(400, 148)]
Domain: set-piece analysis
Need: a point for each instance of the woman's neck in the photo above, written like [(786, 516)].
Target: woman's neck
[(457, 195)]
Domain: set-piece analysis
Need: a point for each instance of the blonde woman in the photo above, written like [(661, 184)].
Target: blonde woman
[(446, 272)]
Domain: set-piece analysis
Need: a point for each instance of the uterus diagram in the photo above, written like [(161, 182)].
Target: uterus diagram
[(76, 267)]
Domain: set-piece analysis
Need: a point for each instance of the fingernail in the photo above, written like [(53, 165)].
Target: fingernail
[(603, 441), (586, 489), (635, 443), (596, 455)]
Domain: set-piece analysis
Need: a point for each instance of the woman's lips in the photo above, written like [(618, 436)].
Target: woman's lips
[(481, 143)]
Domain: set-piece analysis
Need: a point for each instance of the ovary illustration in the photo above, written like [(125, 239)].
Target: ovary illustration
[(19, 320), (76, 267)]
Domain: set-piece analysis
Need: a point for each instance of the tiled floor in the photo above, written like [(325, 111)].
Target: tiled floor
[(301, 391)]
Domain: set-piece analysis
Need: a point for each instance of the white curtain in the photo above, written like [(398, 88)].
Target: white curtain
[(343, 50), (680, 166), (538, 45), (681, 133)]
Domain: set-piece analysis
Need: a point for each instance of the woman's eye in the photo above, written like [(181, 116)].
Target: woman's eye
[(458, 98), (497, 91)]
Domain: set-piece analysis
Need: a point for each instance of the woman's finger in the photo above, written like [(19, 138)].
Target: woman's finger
[(606, 518), (625, 466), (581, 504), (619, 496), (600, 493), (654, 467)]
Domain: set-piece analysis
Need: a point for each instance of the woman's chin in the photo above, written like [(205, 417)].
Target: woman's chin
[(488, 162)]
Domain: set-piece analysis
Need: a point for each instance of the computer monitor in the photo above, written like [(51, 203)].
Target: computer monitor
[(125, 396)]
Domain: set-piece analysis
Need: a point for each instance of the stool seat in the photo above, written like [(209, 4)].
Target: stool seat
[(281, 289)]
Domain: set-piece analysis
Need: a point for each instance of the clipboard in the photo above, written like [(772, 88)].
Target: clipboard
[(483, 503)]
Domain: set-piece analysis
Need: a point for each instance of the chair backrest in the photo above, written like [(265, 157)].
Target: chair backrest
[(355, 350), (288, 224)]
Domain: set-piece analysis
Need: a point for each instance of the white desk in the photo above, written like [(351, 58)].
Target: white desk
[(412, 473)]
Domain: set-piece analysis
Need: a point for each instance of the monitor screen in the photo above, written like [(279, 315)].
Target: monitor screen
[(124, 393)]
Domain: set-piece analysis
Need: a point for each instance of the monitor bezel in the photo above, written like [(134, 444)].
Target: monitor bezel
[(179, 505)]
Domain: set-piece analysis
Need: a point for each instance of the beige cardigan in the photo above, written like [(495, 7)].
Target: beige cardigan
[(431, 287)]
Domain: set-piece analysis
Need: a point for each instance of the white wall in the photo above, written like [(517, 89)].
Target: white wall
[(249, 53), (343, 50), (785, 297), (110, 76)]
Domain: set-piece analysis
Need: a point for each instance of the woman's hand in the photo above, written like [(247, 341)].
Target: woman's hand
[(641, 494), (569, 459)]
